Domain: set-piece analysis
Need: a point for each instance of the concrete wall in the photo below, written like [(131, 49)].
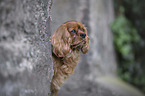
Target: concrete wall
[(25, 52)]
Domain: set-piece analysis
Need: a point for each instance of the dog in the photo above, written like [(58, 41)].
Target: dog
[(69, 40)]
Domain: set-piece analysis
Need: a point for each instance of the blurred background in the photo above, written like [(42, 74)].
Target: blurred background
[(128, 29), (114, 65)]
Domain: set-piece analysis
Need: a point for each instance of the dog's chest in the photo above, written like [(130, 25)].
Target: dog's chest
[(72, 58)]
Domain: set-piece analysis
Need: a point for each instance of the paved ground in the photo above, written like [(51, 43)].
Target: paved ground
[(118, 87)]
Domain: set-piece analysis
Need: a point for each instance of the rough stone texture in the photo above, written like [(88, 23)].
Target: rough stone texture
[(100, 61), (25, 52)]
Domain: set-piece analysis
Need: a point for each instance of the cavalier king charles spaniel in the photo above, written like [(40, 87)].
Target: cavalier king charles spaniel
[(67, 42)]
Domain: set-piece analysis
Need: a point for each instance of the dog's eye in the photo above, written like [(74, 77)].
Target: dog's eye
[(73, 31), (83, 30), (78, 27)]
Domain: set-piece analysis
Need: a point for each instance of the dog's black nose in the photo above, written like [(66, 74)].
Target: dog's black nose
[(83, 35)]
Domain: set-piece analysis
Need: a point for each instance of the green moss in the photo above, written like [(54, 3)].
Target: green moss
[(125, 36)]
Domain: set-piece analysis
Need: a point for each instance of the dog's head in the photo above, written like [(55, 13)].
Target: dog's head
[(70, 36)]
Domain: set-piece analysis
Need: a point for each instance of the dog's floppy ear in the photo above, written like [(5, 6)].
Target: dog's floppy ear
[(61, 41), (85, 47)]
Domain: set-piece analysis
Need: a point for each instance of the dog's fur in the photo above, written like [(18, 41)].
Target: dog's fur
[(67, 43)]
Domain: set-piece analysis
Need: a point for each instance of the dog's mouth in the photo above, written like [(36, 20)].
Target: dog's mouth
[(77, 45)]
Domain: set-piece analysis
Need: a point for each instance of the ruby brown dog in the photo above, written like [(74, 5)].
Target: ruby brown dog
[(69, 40)]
